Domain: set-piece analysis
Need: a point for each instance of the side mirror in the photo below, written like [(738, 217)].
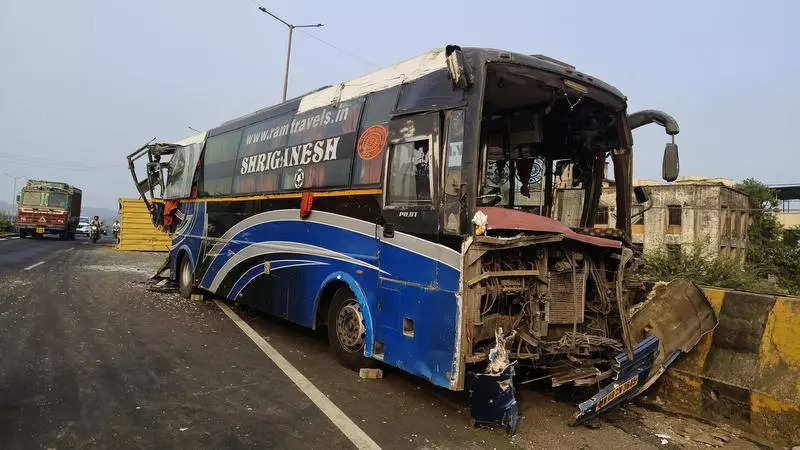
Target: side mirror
[(641, 194), (670, 166)]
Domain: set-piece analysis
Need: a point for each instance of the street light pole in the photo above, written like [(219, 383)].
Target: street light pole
[(14, 189), (289, 48)]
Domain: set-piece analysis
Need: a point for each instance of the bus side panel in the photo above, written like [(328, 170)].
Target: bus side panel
[(418, 311), (418, 328)]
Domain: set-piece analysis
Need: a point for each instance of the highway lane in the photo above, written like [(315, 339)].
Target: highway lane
[(17, 254), (92, 359)]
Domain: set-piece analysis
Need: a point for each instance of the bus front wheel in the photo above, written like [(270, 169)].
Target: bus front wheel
[(346, 332)]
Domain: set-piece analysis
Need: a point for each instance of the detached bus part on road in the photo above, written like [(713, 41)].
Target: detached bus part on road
[(410, 211), (48, 207)]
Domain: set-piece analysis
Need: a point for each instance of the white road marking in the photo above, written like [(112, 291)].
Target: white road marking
[(2, 239), (14, 237), (66, 250), (34, 265), (347, 426)]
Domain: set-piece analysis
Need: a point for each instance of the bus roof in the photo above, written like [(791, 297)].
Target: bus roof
[(409, 70)]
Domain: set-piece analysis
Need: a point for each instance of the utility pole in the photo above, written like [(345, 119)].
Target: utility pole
[(289, 49), (14, 189)]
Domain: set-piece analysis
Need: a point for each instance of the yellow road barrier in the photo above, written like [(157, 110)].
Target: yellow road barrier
[(137, 231), (747, 371)]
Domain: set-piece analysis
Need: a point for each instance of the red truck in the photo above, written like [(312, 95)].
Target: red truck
[(48, 207)]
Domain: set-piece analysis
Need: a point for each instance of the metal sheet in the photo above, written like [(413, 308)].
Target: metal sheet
[(509, 219), (182, 167)]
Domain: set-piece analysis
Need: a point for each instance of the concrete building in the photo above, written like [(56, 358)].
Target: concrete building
[(789, 197), (692, 209)]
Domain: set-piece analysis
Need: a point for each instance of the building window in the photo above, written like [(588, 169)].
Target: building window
[(601, 217), (675, 213), (674, 219)]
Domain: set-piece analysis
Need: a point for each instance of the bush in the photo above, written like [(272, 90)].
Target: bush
[(6, 223), (698, 263)]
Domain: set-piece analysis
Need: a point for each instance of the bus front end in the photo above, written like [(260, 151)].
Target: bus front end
[(544, 290)]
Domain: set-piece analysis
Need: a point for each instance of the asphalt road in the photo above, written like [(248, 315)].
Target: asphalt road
[(90, 358)]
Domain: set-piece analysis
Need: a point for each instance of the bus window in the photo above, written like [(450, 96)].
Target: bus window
[(409, 168), (454, 121), (219, 161), (259, 141), (368, 164), (321, 146)]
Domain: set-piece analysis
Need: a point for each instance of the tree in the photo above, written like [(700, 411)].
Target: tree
[(768, 253)]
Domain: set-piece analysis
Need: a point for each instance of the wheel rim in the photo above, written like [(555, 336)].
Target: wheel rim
[(186, 274), (350, 326)]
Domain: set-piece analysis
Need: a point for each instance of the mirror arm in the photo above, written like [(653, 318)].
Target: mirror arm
[(648, 116)]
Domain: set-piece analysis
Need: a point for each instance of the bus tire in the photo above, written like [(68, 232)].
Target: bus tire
[(346, 334), (185, 277)]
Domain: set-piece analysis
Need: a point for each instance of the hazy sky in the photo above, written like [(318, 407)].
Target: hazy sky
[(84, 83)]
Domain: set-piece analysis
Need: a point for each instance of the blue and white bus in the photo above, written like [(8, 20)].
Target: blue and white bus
[(412, 212)]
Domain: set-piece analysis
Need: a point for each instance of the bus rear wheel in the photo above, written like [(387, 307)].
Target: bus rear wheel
[(185, 278), (346, 332)]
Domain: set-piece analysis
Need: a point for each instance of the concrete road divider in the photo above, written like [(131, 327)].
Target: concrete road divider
[(137, 231), (747, 371)]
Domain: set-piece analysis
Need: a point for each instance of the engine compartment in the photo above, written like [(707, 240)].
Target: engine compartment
[(556, 299)]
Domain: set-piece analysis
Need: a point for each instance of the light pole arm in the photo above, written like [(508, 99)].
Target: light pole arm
[(289, 47)]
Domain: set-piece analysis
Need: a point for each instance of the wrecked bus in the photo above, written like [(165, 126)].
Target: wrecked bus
[(411, 212), (48, 207)]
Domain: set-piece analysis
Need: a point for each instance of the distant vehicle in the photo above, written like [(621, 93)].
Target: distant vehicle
[(83, 225), (94, 233), (48, 207), (95, 228)]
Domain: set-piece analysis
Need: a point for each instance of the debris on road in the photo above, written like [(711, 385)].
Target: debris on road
[(164, 285), (118, 268), (631, 375), (492, 400), (370, 374)]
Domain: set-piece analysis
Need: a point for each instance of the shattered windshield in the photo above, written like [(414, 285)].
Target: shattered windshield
[(527, 186), (530, 123)]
